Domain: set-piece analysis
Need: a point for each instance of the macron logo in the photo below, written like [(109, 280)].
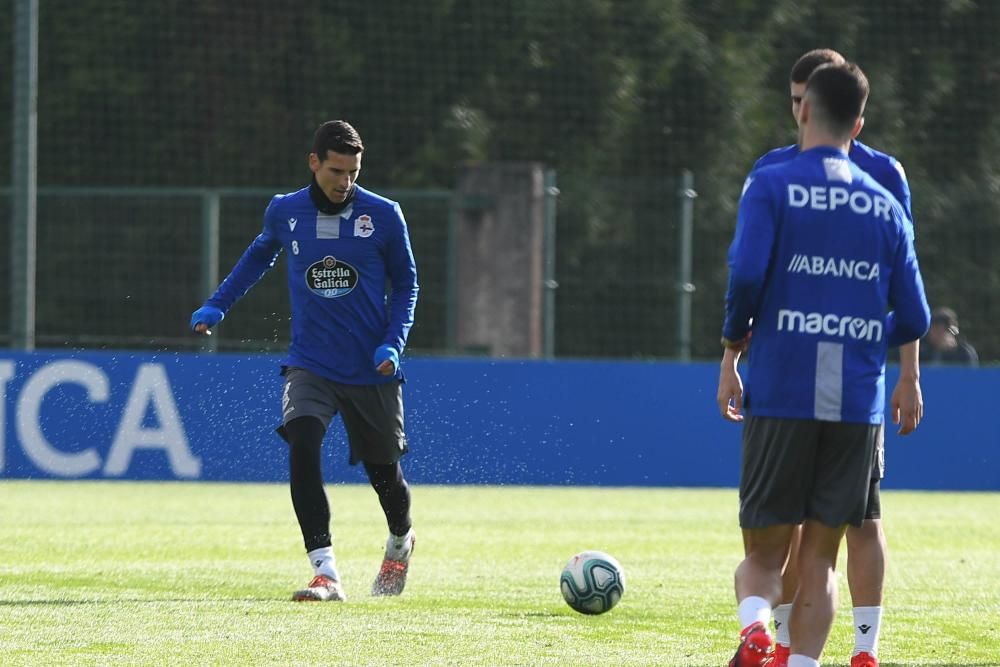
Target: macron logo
[(291, 224), (841, 326)]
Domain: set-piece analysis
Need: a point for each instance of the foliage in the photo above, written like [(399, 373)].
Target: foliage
[(617, 97)]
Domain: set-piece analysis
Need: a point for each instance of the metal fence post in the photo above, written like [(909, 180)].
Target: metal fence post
[(24, 175), (549, 283), (685, 288), (451, 275), (210, 254)]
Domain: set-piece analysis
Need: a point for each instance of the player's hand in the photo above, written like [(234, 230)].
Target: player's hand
[(205, 318), (907, 405), (730, 394), (386, 360)]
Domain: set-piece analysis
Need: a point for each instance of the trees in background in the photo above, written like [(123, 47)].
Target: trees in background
[(617, 96)]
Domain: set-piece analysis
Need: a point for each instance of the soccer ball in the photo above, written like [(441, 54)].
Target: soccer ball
[(592, 582)]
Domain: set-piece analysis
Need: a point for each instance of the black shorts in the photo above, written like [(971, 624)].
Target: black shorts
[(798, 469), (372, 414), (874, 508)]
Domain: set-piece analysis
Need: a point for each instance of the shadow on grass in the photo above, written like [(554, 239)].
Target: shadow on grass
[(534, 614), (70, 603)]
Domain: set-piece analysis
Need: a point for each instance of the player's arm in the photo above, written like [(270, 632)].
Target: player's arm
[(910, 316), (907, 322), (730, 394), (897, 184), (907, 402), (259, 256), (749, 259), (402, 272)]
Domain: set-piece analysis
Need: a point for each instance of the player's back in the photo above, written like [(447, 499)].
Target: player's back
[(820, 331), (884, 168)]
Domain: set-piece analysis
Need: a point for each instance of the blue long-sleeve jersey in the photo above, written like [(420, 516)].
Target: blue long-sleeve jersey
[(820, 255), (338, 266), (884, 168)]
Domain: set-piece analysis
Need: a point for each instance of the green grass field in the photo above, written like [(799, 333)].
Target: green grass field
[(99, 573)]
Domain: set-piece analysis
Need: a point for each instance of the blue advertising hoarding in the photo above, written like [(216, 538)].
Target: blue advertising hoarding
[(124, 415)]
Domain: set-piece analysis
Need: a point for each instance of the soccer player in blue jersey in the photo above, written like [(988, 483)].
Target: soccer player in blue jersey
[(866, 544), (824, 276), (343, 244)]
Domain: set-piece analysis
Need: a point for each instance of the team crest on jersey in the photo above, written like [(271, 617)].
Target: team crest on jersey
[(331, 278), (363, 226)]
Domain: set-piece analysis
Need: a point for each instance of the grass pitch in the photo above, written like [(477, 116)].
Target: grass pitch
[(98, 573)]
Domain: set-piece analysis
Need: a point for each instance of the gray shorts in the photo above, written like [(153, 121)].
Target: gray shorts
[(372, 414), (798, 469)]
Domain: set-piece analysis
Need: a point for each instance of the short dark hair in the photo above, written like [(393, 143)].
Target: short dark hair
[(946, 317), (337, 136), (838, 94), (810, 60)]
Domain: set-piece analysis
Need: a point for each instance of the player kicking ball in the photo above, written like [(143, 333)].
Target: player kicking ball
[(343, 244)]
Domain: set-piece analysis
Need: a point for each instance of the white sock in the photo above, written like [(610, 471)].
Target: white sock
[(754, 609), (781, 615), (398, 547), (799, 660), (324, 562), (867, 625)]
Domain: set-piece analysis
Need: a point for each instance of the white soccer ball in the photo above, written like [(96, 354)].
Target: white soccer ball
[(592, 582)]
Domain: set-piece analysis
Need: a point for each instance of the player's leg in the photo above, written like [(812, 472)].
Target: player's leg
[(758, 588), (771, 505), (816, 599), (867, 555), (307, 407), (782, 612), (838, 497), (393, 495), (373, 416), (759, 574), (305, 438)]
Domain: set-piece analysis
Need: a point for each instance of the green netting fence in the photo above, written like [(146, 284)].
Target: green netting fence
[(617, 97)]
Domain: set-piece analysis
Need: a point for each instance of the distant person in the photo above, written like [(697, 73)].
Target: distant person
[(343, 245), (867, 548), (942, 344), (815, 393)]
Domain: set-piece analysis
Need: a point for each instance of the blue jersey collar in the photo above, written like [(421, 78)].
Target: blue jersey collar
[(825, 151)]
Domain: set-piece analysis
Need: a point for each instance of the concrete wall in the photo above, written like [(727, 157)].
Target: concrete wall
[(499, 254)]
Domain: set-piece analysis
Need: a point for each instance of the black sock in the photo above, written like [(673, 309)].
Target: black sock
[(393, 494), (305, 436)]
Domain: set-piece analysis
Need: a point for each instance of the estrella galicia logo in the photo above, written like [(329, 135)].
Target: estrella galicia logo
[(331, 278)]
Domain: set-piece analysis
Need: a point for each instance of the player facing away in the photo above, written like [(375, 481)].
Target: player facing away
[(824, 275), (866, 545), (343, 244)]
